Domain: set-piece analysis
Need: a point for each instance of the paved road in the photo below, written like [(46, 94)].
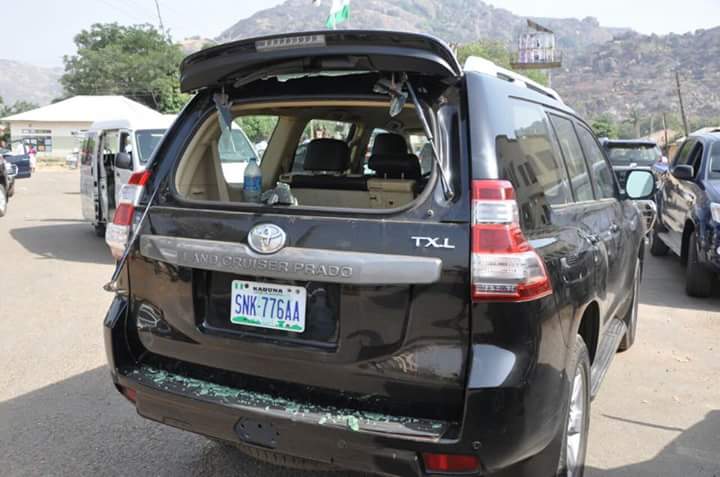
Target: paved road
[(658, 413)]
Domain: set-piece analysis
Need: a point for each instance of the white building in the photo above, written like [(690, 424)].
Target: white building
[(55, 129)]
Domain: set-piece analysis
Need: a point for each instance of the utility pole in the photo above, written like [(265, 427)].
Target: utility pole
[(652, 124), (162, 27), (682, 105), (666, 134)]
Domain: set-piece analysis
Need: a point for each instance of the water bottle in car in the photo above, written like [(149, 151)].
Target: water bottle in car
[(252, 182)]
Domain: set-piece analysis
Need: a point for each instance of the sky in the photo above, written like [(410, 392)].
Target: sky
[(41, 31)]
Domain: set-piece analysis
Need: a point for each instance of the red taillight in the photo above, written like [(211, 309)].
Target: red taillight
[(118, 232), (504, 265), (139, 178), (450, 463), (129, 393)]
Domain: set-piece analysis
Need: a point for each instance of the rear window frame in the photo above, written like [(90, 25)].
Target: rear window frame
[(423, 200)]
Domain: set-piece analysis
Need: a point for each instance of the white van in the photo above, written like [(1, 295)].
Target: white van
[(111, 151)]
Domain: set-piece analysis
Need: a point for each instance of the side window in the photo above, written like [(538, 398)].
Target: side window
[(420, 146), (318, 129), (695, 159), (111, 143), (600, 170), (235, 151), (714, 161), (528, 159), (125, 145), (570, 146), (259, 130), (146, 141), (87, 149), (684, 153)]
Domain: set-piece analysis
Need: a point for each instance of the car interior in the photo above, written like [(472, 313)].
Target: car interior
[(330, 153)]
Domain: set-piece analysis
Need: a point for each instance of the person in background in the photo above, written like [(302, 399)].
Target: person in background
[(32, 152)]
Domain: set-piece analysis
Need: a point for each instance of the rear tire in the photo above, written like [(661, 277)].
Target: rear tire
[(100, 230), (3, 200), (577, 419), (275, 458), (698, 279), (657, 246)]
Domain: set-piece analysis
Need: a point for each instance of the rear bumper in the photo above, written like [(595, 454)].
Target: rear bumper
[(288, 430), (500, 425)]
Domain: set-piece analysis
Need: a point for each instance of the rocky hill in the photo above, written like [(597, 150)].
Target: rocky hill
[(458, 21), (21, 81), (609, 71), (637, 73)]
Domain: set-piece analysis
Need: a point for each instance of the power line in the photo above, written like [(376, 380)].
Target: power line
[(160, 20)]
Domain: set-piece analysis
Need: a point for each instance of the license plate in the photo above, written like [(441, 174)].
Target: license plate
[(268, 305)]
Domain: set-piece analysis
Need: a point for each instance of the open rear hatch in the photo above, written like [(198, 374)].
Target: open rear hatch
[(380, 316), (245, 60)]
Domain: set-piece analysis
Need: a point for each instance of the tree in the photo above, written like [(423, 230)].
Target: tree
[(8, 110), (134, 61), (634, 118), (498, 54), (257, 128), (605, 127)]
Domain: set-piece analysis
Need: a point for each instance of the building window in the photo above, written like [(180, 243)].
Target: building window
[(40, 139)]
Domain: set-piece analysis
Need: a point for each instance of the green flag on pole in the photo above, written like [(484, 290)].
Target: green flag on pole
[(339, 12)]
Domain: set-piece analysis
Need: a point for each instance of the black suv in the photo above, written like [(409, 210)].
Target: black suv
[(372, 312), (8, 171), (629, 154), (688, 201)]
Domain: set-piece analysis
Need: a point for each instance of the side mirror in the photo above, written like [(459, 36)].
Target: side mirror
[(123, 160), (640, 184), (684, 172)]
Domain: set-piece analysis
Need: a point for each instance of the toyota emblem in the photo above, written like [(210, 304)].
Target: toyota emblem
[(266, 238)]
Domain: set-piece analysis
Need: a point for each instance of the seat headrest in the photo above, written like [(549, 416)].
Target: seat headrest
[(327, 155), (388, 143), (396, 166)]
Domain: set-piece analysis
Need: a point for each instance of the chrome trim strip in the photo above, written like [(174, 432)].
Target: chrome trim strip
[(293, 263)]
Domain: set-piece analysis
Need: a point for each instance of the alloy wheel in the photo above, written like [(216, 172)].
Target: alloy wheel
[(3, 201), (576, 423)]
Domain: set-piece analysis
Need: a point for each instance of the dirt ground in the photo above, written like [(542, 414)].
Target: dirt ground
[(657, 414)]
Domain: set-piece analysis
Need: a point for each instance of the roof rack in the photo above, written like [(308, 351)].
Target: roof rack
[(481, 65)]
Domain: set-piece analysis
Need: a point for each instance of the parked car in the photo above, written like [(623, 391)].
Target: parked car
[(454, 324), (629, 154), (20, 157), (111, 152), (235, 152), (8, 172), (688, 201)]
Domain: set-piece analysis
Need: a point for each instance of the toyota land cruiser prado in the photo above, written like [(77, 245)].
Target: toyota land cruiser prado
[(434, 284)]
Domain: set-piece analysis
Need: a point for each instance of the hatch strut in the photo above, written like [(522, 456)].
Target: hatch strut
[(222, 105), (111, 286), (447, 187)]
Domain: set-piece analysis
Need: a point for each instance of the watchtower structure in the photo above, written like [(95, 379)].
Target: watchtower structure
[(536, 49)]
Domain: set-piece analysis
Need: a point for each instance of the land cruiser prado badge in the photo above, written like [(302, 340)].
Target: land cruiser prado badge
[(266, 238)]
